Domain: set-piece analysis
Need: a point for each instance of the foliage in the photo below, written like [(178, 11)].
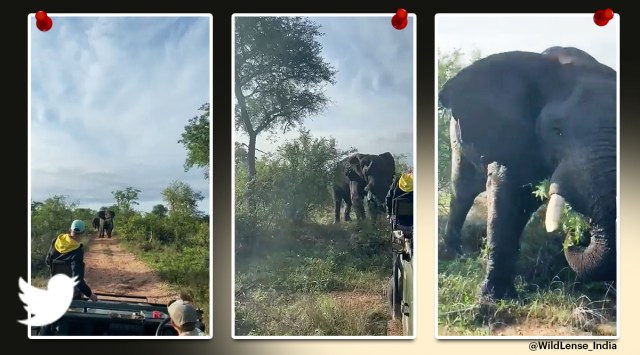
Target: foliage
[(125, 200), (182, 199), (159, 210), (573, 225), (314, 279), (279, 76), (50, 218), (291, 184), (195, 139)]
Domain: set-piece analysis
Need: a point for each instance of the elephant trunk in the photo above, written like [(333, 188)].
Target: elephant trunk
[(597, 260)]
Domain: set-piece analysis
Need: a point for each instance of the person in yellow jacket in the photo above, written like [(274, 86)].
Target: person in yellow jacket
[(66, 255), (402, 186)]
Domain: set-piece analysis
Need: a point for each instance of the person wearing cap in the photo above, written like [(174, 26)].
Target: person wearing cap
[(401, 187), (66, 253), (184, 318)]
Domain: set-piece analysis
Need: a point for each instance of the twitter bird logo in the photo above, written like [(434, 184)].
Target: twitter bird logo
[(47, 306)]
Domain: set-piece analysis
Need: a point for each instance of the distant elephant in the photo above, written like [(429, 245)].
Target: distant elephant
[(106, 223), (359, 177), (521, 117), (96, 223)]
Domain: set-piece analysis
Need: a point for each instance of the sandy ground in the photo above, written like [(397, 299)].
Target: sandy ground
[(112, 270)]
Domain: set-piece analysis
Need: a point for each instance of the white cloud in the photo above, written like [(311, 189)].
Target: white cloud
[(110, 98), (372, 105)]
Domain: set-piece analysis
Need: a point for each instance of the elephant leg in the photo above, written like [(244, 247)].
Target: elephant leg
[(510, 205), (347, 208), (101, 230), (337, 204), (372, 207), (466, 184), (356, 197), (358, 205)]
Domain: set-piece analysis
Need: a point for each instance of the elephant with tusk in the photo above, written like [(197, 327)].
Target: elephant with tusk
[(519, 118), (106, 223), (362, 178)]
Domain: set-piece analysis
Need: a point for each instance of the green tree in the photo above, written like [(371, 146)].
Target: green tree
[(402, 165), (159, 210), (279, 76), (53, 216), (125, 200), (35, 206), (182, 199), (240, 154), (449, 64), (292, 183), (195, 138), (85, 214)]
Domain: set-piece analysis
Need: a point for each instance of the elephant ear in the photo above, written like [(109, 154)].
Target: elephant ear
[(507, 84), (498, 99), (389, 160)]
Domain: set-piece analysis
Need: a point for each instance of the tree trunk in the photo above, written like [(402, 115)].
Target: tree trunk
[(251, 155)]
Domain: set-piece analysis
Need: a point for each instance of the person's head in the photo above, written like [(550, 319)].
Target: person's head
[(184, 317), (405, 183), (77, 229)]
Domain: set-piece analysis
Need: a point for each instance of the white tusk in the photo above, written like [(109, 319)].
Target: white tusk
[(554, 210)]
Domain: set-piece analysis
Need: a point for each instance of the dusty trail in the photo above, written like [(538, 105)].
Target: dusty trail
[(111, 269)]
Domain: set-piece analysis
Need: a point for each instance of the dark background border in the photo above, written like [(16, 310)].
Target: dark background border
[(15, 234)]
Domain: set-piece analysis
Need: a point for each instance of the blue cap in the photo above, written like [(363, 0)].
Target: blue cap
[(77, 226)]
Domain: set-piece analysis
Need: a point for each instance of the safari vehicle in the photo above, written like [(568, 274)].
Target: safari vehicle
[(135, 317), (400, 288)]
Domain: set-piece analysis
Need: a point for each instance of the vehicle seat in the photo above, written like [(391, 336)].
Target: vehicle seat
[(402, 212)]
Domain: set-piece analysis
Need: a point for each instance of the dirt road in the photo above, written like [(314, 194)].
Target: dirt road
[(111, 269)]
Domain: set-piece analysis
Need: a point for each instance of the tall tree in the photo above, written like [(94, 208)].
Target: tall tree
[(126, 199), (182, 198), (195, 139), (159, 210), (279, 76)]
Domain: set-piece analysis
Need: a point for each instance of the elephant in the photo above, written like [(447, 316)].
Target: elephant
[(361, 176), (95, 223), (519, 118), (106, 223), (570, 55)]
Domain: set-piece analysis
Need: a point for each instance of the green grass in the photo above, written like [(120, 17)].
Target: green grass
[(549, 296), (184, 268), (314, 279)]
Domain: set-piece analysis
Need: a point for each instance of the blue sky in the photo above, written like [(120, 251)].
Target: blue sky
[(493, 34), (372, 100), (110, 97)]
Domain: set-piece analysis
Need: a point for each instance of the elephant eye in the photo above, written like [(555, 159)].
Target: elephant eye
[(557, 131)]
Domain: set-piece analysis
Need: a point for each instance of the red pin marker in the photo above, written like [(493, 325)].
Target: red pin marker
[(43, 21), (399, 20), (602, 17)]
